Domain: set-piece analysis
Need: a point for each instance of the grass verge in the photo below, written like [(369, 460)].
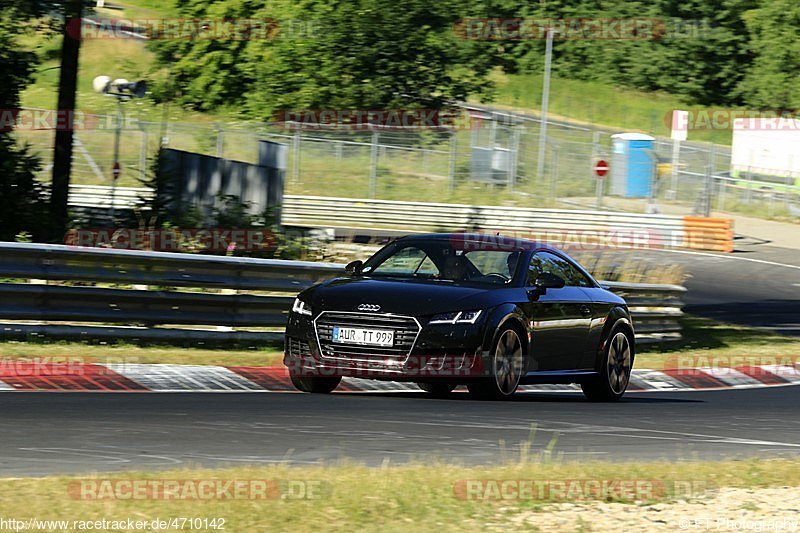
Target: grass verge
[(394, 498), (74, 352), (707, 342)]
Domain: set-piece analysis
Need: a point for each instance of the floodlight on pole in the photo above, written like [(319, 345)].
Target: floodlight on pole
[(122, 90)]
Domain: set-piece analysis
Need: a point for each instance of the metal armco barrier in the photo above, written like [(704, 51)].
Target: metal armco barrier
[(385, 216), (189, 297), (100, 196)]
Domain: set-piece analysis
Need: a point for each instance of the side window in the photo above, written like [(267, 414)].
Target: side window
[(546, 262)]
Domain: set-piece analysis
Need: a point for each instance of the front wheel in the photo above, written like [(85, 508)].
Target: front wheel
[(507, 365), (615, 372), (315, 384)]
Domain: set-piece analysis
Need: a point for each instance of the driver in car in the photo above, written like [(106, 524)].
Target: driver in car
[(511, 262)]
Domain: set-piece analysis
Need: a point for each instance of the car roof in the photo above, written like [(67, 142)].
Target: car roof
[(502, 241)]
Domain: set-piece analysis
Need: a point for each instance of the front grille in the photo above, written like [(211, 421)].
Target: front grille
[(297, 348), (405, 329)]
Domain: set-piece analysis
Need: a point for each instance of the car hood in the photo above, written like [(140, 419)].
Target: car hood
[(406, 297)]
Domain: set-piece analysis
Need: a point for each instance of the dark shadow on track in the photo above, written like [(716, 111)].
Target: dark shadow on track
[(521, 397)]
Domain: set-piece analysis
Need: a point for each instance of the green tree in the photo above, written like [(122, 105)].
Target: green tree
[(22, 205), (773, 79), (702, 54), (329, 54)]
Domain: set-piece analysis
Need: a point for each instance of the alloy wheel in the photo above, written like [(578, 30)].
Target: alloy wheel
[(508, 362), (619, 363)]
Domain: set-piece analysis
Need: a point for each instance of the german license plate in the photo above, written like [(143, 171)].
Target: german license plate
[(368, 337)]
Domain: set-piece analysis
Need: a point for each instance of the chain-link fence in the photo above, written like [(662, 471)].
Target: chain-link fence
[(494, 161)]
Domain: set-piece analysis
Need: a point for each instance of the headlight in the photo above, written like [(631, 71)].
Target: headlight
[(456, 317), (301, 308)]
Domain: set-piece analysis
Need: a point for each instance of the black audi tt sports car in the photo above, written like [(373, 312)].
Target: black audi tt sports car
[(482, 310)]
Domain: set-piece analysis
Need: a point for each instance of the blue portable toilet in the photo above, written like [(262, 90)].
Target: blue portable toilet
[(633, 165)]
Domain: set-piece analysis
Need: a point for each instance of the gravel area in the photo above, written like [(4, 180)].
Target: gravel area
[(728, 509)]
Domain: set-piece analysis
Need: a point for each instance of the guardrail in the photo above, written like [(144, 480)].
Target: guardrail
[(177, 298), (380, 217), (101, 196), (384, 217)]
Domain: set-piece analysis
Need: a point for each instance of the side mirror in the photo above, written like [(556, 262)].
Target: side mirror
[(547, 280), (354, 267)]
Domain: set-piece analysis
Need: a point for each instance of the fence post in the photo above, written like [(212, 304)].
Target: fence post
[(672, 194), (143, 155), (452, 170), (705, 198), (373, 165), (220, 141), (296, 157), (514, 156), (554, 174)]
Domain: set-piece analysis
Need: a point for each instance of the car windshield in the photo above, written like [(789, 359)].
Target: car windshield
[(451, 261)]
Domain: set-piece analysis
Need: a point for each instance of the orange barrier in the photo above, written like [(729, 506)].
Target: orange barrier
[(703, 233)]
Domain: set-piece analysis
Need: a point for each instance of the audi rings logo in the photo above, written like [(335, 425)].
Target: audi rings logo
[(369, 307)]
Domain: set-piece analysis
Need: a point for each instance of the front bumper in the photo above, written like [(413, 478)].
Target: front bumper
[(450, 353)]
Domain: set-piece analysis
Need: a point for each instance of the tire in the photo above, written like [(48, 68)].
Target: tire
[(615, 368), (314, 384), (437, 389), (507, 366)]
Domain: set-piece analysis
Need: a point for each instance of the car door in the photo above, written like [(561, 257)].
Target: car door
[(561, 317)]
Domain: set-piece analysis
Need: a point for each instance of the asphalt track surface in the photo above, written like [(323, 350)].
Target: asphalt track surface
[(758, 285), (47, 433)]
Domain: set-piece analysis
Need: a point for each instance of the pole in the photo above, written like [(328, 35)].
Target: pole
[(548, 56), (676, 154), (600, 180), (62, 149), (116, 168)]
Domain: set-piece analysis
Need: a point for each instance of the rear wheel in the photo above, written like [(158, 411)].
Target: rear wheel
[(507, 365), (615, 372), (316, 384), (436, 389)]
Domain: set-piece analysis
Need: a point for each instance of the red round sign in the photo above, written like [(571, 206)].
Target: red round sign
[(601, 168)]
